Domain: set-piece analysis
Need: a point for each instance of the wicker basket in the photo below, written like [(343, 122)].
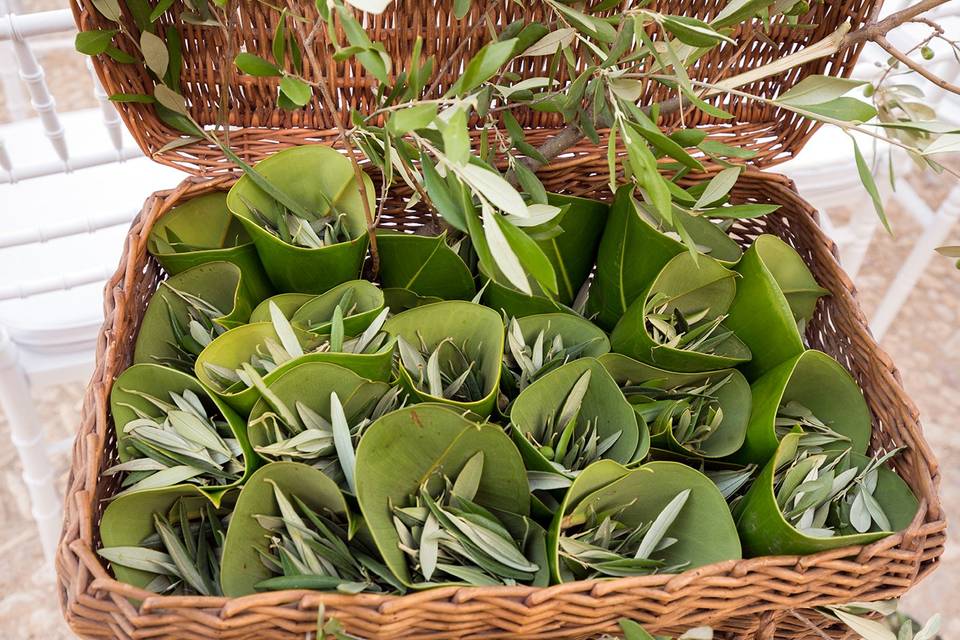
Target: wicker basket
[(773, 133), (760, 597), (745, 598)]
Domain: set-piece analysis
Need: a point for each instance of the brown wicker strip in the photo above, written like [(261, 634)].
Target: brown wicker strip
[(265, 128), (752, 598)]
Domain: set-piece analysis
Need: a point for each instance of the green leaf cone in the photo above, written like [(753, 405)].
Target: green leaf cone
[(476, 329), (423, 265), (288, 303), (409, 447), (242, 567), (311, 175), (689, 285), (158, 382), (603, 405), (209, 233), (632, 252), (220, 284), (775, 293), (819, 383), (645, 491), (764, 531), (316, 314), (734, 399)]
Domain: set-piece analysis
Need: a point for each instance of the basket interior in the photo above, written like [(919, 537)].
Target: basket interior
[(262, 128)]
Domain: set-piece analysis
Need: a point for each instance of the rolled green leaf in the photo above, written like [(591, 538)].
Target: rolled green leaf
[(811, 380), (239, 345), (305, 391), (677, 323), (537, 344), (634, 249), (360, 301), (410, 448), (242, 567), (202, 230), (129, 522), (466, 328), (423, 265), (190, 309), (574, 415), (776, 294), (315, 177), (653, 391), (133, 397), (765, 531), (570, 241), (288, 303), (636, 497)]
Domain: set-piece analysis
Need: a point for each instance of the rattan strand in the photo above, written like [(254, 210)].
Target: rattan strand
[(264, 128), (743, 599)]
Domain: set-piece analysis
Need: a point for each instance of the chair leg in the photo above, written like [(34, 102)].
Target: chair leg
[(26, 433)]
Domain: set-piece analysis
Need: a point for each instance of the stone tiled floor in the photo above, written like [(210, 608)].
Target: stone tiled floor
[(924, 341)]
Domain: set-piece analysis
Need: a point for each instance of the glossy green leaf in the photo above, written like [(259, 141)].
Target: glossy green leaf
[(159, 381), (129, 519), (642, 493), (476, 329), (603, 406), (238, 345), (202, 230), (365, 300), (409, 447), (517, 304), (484, 64), (217, 283), (313, 176), (255, 65), (423, 265), (775, 293), (764, 531), (689, 285), (242, 568), (803, 379), (94, 42), (633, 251), (734, 399)]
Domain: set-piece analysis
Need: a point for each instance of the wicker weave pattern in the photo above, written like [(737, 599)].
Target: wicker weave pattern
[(746, 599), (250, 101)]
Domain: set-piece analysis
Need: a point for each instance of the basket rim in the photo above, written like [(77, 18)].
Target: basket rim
[(77, 562)]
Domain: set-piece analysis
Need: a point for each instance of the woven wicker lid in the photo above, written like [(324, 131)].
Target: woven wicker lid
[(260, 127)]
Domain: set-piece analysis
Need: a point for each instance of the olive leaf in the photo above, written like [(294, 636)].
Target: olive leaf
[(258, 348), (423, 265), (188, 311), (537, 344), (695, 414), (677, 321), (202, 230), (307, 255), (573, 416), (296, 423), (171, 431), (799, 383), (634, 248), (616, 521), (808, 499), (450, 352), (776, 295), (415, 447), (168, 541), (359, 300)]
